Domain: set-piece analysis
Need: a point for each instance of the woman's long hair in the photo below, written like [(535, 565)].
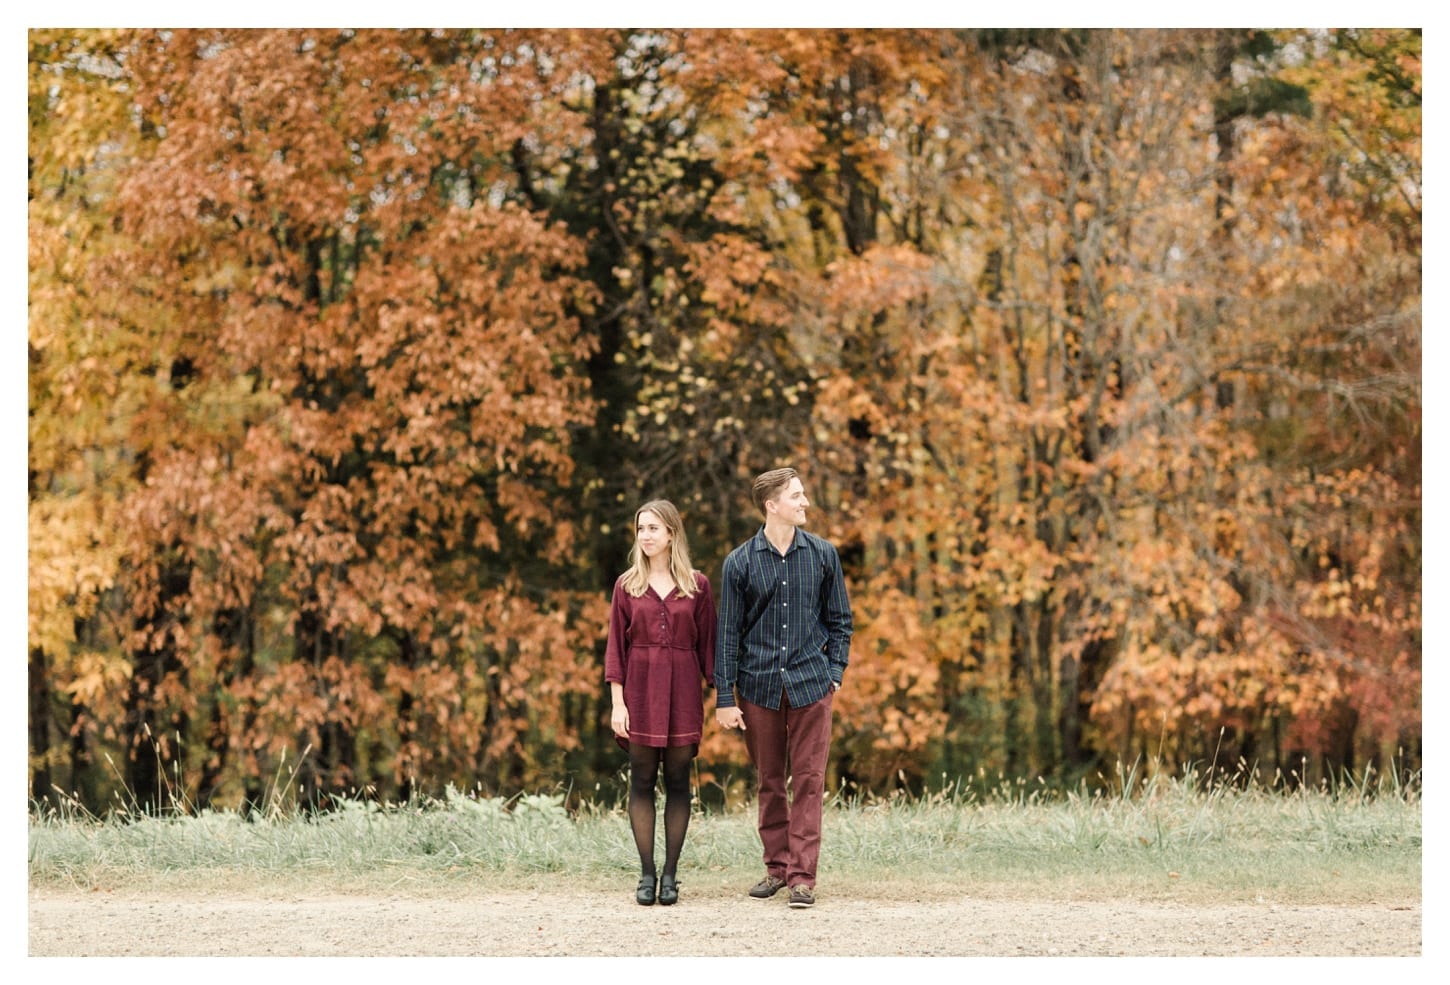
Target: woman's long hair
[(636, 579)]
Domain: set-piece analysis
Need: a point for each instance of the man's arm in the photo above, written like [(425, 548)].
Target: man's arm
[(727, 643), (836, 615), (727, 636)]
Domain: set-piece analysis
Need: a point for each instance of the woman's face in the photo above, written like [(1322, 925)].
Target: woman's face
[(650, 532)]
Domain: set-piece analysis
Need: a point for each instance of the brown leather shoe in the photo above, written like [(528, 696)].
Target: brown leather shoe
[(802, 896), (767, 887)]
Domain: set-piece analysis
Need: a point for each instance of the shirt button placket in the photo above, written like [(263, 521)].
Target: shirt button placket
[(783, 625)]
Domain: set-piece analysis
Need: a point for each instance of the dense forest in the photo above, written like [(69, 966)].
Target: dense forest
[(351, 354)]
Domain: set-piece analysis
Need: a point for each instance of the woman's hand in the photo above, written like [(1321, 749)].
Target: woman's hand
[(730, 718), (619, 721)]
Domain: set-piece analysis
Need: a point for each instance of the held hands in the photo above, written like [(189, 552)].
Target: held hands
[(619, 721), (730, 718)]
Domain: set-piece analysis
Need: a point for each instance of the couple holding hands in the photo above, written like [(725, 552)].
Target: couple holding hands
[(776, 654)]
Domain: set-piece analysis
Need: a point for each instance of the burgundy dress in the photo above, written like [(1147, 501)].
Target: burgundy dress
[(661, 650)]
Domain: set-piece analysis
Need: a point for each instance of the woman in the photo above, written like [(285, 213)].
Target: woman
[(661, 647)]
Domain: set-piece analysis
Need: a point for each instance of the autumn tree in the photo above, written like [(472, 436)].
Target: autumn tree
[(85, 384), (369, 383), (1069, 530)]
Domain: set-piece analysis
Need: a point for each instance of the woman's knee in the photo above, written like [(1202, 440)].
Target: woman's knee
[(677, 782), (644, 766), (677, 772)]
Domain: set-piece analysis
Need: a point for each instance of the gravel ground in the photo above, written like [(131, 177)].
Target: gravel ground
[(707, 923)]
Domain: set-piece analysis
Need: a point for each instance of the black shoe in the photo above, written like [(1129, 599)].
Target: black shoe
[(645, 894), (669, 890)]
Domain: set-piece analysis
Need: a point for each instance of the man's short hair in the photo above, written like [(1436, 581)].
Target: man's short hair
[(769, 484)]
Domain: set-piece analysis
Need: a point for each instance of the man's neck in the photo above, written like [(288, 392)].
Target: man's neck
[(781, 535)]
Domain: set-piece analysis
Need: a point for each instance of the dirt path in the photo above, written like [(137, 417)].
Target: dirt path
[(705, 924)]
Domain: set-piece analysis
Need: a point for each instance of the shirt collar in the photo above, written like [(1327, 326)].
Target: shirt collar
[(762, 543)]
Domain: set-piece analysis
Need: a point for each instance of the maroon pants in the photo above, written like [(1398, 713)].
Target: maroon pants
[(794, 743)]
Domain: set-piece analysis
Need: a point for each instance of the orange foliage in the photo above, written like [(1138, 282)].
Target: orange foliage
[(351, 352)]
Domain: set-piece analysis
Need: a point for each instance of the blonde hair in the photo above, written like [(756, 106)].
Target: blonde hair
[(636, 579), (769, 484)]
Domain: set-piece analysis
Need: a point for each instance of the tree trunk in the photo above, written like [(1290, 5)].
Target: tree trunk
[(41, 782), (148, 753)]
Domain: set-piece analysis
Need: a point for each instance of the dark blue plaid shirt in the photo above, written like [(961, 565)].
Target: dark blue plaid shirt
[(785, 623)]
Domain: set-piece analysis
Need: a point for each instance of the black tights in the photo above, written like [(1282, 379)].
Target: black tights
[(644, 763)]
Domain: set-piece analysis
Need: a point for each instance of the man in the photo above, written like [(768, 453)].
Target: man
[(783, 641)]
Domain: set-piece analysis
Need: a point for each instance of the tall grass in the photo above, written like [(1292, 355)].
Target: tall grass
[(1140, 836), (1156, 836)]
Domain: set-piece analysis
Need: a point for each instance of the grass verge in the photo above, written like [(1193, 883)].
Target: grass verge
[(1172, 840)]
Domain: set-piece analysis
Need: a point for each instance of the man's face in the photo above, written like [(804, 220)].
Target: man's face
[(790, 505)]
